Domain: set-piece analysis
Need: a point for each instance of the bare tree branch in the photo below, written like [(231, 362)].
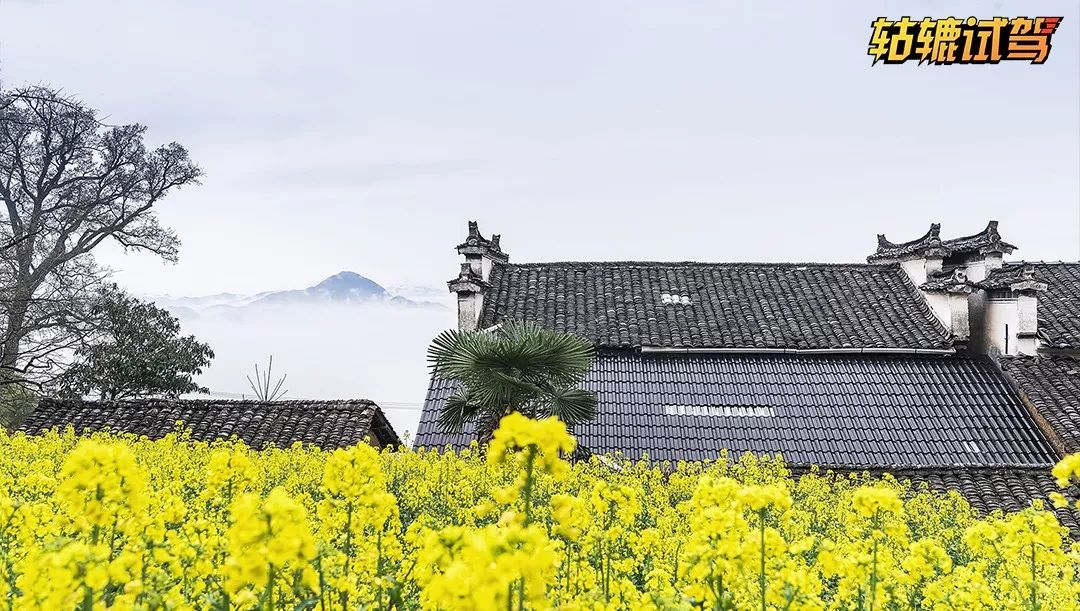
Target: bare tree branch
[(68, 183)]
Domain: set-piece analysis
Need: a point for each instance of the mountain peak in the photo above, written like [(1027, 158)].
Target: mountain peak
[(344, 287), (347, 275), (350, 282)]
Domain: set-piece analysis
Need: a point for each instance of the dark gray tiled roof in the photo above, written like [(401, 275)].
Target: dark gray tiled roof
[(988, 489), (854, 411), (1059, 304), (737, 305), (931, 244), (1052, 385), (327, 424)]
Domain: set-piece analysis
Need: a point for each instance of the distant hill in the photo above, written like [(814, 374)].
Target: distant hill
[(345, 288)]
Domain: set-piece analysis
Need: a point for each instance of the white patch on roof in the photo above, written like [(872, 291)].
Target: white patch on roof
[(674, 299), (730, 411)]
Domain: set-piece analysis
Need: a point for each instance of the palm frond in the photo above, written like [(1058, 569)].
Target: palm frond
[(571, 405), (520, 366), (456, 412)]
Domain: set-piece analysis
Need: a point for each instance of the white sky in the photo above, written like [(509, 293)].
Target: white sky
[(362, 136)]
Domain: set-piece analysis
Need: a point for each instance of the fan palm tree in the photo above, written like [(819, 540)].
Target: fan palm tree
[(516, 367)]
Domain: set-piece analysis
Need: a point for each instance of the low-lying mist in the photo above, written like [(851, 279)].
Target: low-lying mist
[(329, 351)]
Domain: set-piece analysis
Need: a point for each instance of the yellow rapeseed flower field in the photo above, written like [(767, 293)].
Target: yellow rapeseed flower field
[(115, 522)]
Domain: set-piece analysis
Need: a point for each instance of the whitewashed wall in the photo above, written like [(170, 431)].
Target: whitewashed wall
[(1001, 312)]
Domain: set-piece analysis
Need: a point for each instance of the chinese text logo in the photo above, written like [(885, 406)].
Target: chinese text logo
[(962, 41)]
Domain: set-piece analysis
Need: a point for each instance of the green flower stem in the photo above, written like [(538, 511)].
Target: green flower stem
[(761, 573), (530, 460)]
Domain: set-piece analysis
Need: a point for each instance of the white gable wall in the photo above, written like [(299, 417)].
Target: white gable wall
[(1001, 314), (939, 305), (915, 270)]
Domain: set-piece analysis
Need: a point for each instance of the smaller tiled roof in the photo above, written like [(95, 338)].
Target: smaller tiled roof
[(847, 411), (931, 244), (954, 280), (1021, 276), (797, 306), (1059, 304), (1051, 384), (467, 281), (326, 424), (989, 489)]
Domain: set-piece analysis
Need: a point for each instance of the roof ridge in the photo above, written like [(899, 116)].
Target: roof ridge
[(1031, 358), (854, 264), (1041, 468), (989, 230), (927, 468), (933, 233), (159, 402), (752, 353)]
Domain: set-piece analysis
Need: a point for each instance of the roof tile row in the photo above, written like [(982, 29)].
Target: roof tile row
[(741, 305), (901, 411)]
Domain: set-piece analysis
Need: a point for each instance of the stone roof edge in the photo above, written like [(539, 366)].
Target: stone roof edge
[(152, 403), (755, 350), (934, 233), (378, 423), (1030, 406), (990, 229), (732, 264), (1041, 469), (931, 244)]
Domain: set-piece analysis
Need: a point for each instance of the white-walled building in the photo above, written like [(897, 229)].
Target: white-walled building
[(990, 306)]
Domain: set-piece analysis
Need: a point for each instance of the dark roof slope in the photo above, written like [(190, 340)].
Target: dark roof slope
[(735, 305), (327, 424), (1059, 304), (1052, 385), (853, 411)]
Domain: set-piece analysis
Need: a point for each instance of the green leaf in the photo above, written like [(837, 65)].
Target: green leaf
[(519, 366)]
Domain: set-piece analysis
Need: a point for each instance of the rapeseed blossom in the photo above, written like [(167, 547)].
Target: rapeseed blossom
[(116, 522)]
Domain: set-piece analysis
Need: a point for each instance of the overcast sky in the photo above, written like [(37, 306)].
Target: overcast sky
[(362, 136)]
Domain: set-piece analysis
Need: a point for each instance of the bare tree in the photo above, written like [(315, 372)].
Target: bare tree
[(68, 183), (264, 389)]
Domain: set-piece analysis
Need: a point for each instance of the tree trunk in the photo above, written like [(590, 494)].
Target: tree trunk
[(486, 425), (16, 317)]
